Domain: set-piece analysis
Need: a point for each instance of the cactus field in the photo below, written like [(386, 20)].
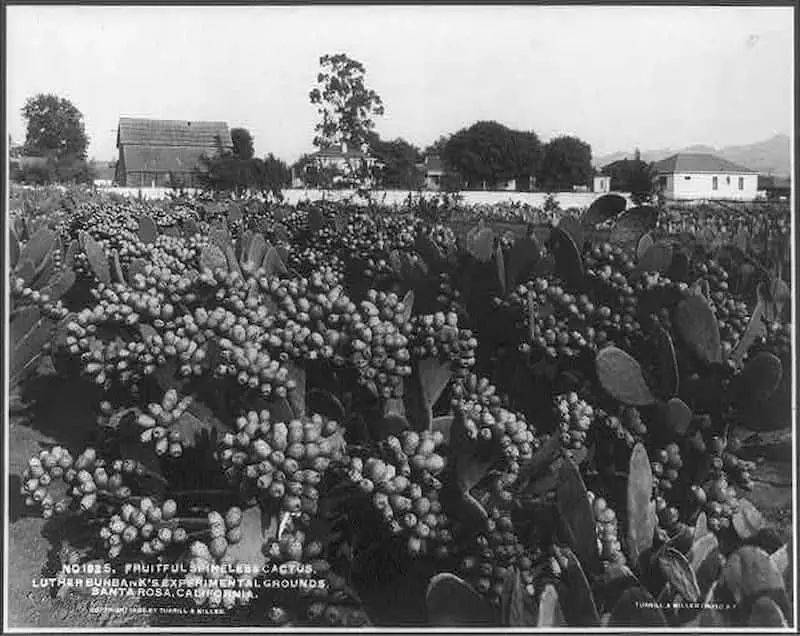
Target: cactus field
[(439, 416)]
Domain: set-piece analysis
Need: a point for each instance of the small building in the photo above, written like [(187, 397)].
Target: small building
[(28, 169), (297, 178), (163, 153), (434, 170), (439, 177), (26, 162), (689, 176), (525, 183), (601, 184)]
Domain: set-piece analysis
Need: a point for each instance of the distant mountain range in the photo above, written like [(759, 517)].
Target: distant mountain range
[(770, 157)]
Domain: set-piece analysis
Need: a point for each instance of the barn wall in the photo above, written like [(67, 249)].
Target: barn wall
[(119, 175), (160, 179)]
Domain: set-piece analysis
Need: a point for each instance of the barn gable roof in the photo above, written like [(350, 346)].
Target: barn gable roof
[(695, 162), (172, 132)]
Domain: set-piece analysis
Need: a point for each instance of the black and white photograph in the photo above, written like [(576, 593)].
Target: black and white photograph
[(400, 318)]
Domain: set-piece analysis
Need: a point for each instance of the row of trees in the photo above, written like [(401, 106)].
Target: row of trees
[(488, 154), (485, 155)]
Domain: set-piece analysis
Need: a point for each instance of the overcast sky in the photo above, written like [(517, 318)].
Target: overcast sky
[(618, 77)]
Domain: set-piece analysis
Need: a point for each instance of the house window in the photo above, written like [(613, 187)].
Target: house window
[(741, 183), (662, 181), (727, 180), (687, 178), (714, 183)]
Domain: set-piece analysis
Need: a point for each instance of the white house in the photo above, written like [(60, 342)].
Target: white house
[(703, 176), (344, 162)]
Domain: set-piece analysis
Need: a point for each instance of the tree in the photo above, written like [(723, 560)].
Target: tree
[(225, 173), (228, 173), (400, 161), (489, 153), (527, 154), (272, 175), (566, 162), (55, 128), (635, 176), (437, 147), (344, 103), (242, 143)]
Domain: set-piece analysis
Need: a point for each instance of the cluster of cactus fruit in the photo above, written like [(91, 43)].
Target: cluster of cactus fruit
[(575, 419), (284, 461), (217, 321), (210, 548), (498, 550), (330, 603), (403, 483), (157, 424), (609, 546), (439, 336), (90, 481), (148, 526), (495, 427)]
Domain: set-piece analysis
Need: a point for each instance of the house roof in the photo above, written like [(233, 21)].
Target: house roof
[(696, 162), (619, 163), (162, 159), (433, 163), (168, 132)]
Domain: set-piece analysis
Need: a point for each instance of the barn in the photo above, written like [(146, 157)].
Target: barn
[(164, 153)]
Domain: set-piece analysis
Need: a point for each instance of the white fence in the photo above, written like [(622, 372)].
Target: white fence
[(398, 197)]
